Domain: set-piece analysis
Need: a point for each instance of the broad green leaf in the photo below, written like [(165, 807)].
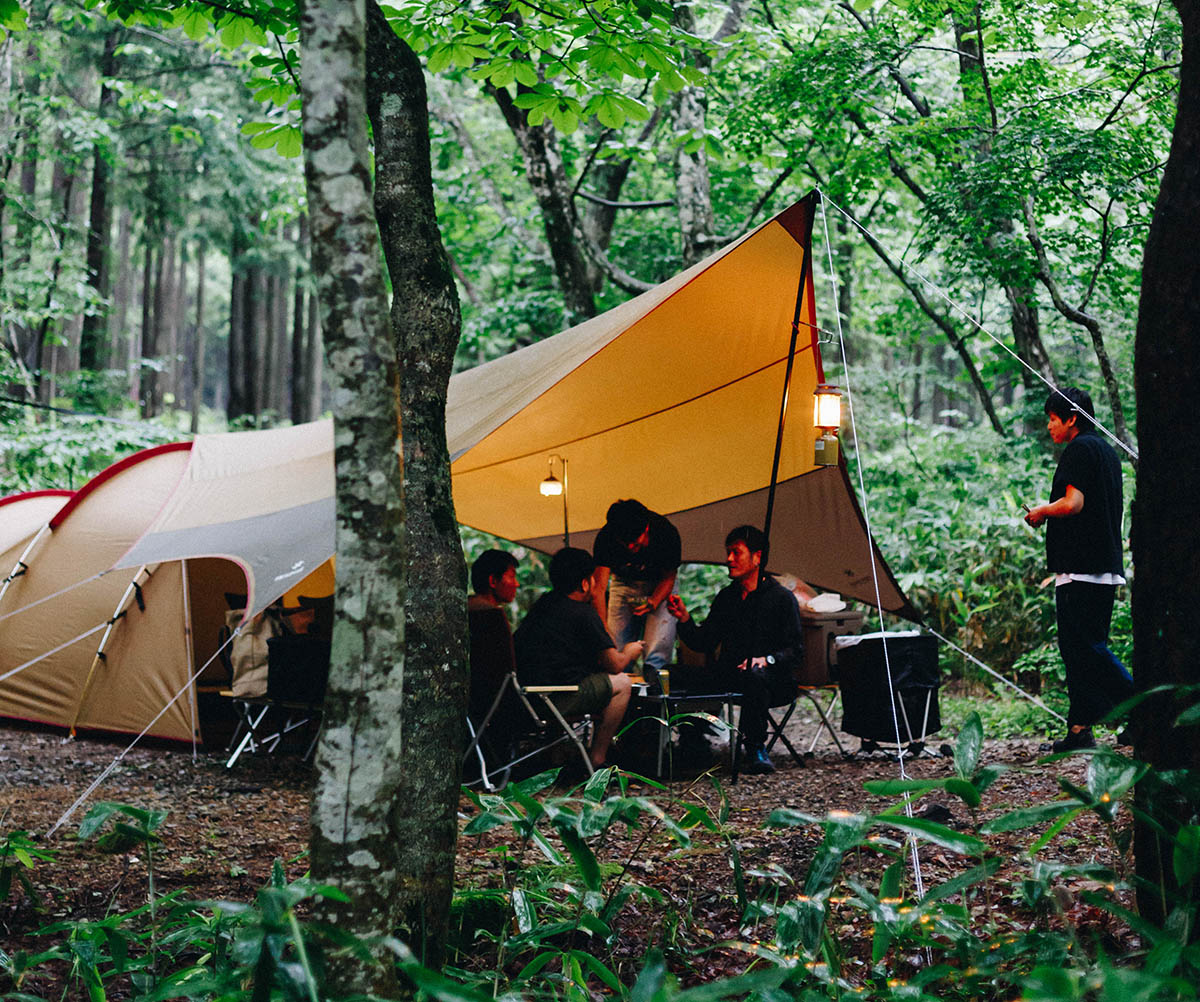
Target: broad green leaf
[(523, 910), (1186, 857), (1027, 817), (968, 747), (584, 858), (964, 790), (196, 25), (289, 142), (898, 787), (931, 831)]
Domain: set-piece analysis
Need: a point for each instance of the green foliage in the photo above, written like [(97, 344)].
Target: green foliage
[(65, 454), (19, 854)]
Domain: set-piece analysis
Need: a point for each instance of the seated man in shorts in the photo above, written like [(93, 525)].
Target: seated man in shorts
[(563, 642)]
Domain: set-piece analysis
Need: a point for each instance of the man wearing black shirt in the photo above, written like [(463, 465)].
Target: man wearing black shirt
[(562, 642), (755, 624), (637, 555), (1083, 551)]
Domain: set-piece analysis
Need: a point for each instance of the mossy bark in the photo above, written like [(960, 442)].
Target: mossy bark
[(426, 325), (359, 786)]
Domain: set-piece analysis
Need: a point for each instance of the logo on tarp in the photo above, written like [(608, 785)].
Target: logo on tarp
[(297, 568)]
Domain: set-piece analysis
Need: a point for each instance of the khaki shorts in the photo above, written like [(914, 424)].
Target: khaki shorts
[(594, 695)]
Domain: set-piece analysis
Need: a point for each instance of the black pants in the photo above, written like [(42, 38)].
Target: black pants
[(1096, 679), (760, 691)]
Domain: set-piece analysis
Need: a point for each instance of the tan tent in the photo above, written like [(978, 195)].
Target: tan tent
[(673, 398), (122, 594)]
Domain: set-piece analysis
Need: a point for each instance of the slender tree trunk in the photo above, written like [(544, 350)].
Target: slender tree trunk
[(548, 180), (316, 360), (236, 407), (147, 348), (199, 343), (1166, 508), (1019, 290), (92, 342), (118, 334), (693, 194), (426, 326), (258, 340), (361, 787), (301, 375)]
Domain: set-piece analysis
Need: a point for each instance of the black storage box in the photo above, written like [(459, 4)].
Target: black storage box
[(862, 674), (297, 668)]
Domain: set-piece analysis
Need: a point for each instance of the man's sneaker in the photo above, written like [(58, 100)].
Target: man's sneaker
[(1074, 741), (758, 762)]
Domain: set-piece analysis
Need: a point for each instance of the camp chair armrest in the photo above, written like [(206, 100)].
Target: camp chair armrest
[(550, 688)]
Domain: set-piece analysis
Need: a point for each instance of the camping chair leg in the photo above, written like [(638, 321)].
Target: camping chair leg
[(570, 733), (778, 735), (250, 738), (826, 723)]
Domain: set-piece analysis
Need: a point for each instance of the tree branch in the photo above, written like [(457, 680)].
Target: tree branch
[(906, 87), (957, 341), (659, 203), (1076, 316)]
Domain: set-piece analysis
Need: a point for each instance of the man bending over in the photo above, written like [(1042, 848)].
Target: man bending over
[(563, 642)]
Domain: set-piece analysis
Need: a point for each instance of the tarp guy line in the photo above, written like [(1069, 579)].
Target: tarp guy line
[(918, 879), (971, 320), (991, 671), (132, 744)]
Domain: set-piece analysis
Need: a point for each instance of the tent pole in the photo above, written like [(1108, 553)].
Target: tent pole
[(22, 564), (189, 655), (787, 380), (100, 655)]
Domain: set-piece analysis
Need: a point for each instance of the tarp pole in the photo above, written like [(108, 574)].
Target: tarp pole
[(787, 380)]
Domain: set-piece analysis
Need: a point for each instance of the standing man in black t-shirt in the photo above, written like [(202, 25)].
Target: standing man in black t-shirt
[(1083, 551), (637, 556), (562, 641)]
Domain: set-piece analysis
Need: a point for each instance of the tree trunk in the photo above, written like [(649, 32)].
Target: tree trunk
[(92, 341), (236, 407), (361, 787), (1166, 510), (1020, 292), (301, 376), (548, 180), (693, 194), (426, 326), (199, 342), (258, 340), (146, 347), (316, 359), (118, 333)]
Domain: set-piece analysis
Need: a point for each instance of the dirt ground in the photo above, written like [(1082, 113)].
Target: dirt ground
[(226, 827)]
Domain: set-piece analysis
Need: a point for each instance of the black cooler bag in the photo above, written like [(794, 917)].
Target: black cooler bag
[(862, 674)]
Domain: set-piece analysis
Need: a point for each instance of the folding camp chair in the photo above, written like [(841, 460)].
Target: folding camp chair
[(510, 724), (814, 694)]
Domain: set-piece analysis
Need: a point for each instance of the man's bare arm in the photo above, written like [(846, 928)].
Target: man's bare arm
[(616, 661)]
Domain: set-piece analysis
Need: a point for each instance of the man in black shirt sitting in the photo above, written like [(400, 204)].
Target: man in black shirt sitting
[(563, 642), (754, 623)]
